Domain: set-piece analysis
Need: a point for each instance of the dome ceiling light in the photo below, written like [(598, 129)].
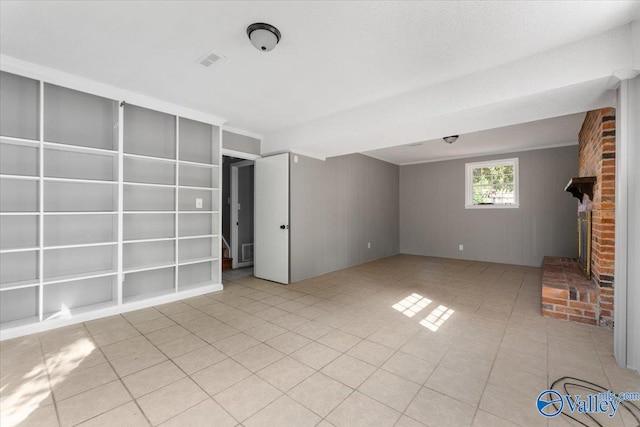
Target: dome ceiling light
[(263, 36), (450, 139)]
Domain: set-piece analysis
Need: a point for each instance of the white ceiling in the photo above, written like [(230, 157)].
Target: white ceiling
[(555, 132), (340, 79)]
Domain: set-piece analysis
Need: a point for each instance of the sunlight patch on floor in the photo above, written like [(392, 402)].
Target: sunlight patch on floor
[(437, 317), (412, 304), (35, 386)]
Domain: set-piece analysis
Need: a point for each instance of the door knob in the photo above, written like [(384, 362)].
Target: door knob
[(284, 227)]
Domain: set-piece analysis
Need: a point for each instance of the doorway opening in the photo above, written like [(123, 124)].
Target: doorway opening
[(237, 217)]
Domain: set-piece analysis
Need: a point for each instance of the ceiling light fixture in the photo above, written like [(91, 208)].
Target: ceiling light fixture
[(450, 139), (263, 36)]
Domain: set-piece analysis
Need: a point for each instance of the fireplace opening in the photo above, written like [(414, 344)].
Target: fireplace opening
[(582, 189)]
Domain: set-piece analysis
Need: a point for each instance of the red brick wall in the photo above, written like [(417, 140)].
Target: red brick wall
[(597, 157)]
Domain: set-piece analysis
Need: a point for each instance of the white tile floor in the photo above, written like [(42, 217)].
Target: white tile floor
[(403, 341)]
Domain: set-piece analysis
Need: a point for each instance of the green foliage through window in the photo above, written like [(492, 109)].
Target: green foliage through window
[(494, 185)]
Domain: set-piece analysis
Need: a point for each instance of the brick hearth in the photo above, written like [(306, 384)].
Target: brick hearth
[(567, 294)]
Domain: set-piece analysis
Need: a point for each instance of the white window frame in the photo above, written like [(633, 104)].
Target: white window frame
[(500, 162)]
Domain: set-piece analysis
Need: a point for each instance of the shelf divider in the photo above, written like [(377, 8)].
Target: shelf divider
[(16, 250), (120, 261), (149, 212), (176, 218), (201, 236), (149, 184), (203, 165), (20, 177), (20, 141), (192, 187), (157, 239), (19, 213), (81, 213), (80, 245), (79, 276), (20, 285), (143, 157), (149, 267), (79, 180), (41, 208), (197, 261), (78, 148)]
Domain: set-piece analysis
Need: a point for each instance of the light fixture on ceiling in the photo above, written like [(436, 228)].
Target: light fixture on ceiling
[(263, 36), (450, 139)]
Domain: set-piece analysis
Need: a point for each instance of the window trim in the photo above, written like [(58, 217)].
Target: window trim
[(469, 167)]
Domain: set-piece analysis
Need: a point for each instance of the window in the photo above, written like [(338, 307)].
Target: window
[(492, 184)]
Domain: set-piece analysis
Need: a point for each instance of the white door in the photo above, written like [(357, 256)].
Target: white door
[(271, 218)]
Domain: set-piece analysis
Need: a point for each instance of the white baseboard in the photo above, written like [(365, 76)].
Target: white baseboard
[(72, 319)]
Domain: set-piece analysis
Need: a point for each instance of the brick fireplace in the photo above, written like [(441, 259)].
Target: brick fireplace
[(564, 293), (597, 157)]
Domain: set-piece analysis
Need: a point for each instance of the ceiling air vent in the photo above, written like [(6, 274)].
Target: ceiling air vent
[(209, 59)]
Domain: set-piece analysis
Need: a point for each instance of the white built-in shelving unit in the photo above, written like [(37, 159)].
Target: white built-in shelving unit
[(102, 204)]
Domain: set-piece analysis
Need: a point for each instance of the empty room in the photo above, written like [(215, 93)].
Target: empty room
[(319, 213)]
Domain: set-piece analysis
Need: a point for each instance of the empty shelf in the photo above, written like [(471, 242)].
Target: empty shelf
[(19, 285), (79, 276)]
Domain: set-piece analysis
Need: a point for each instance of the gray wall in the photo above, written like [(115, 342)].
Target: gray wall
[(337, 207), (236, 142), (245, 214), (434, 221)]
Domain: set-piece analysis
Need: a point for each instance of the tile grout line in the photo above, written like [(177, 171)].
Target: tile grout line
[(118, 375), (486, 383), (228, 357), (46, 369), (167, 385), (382, 368), (376, 370)]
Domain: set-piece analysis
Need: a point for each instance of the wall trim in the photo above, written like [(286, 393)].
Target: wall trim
[(238, 131), (239, 154), (306, 154)]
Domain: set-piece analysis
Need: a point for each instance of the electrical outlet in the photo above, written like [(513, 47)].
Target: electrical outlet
[(238, 206), (198, 203), (460, 247), (295, 159), (369, 245)]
